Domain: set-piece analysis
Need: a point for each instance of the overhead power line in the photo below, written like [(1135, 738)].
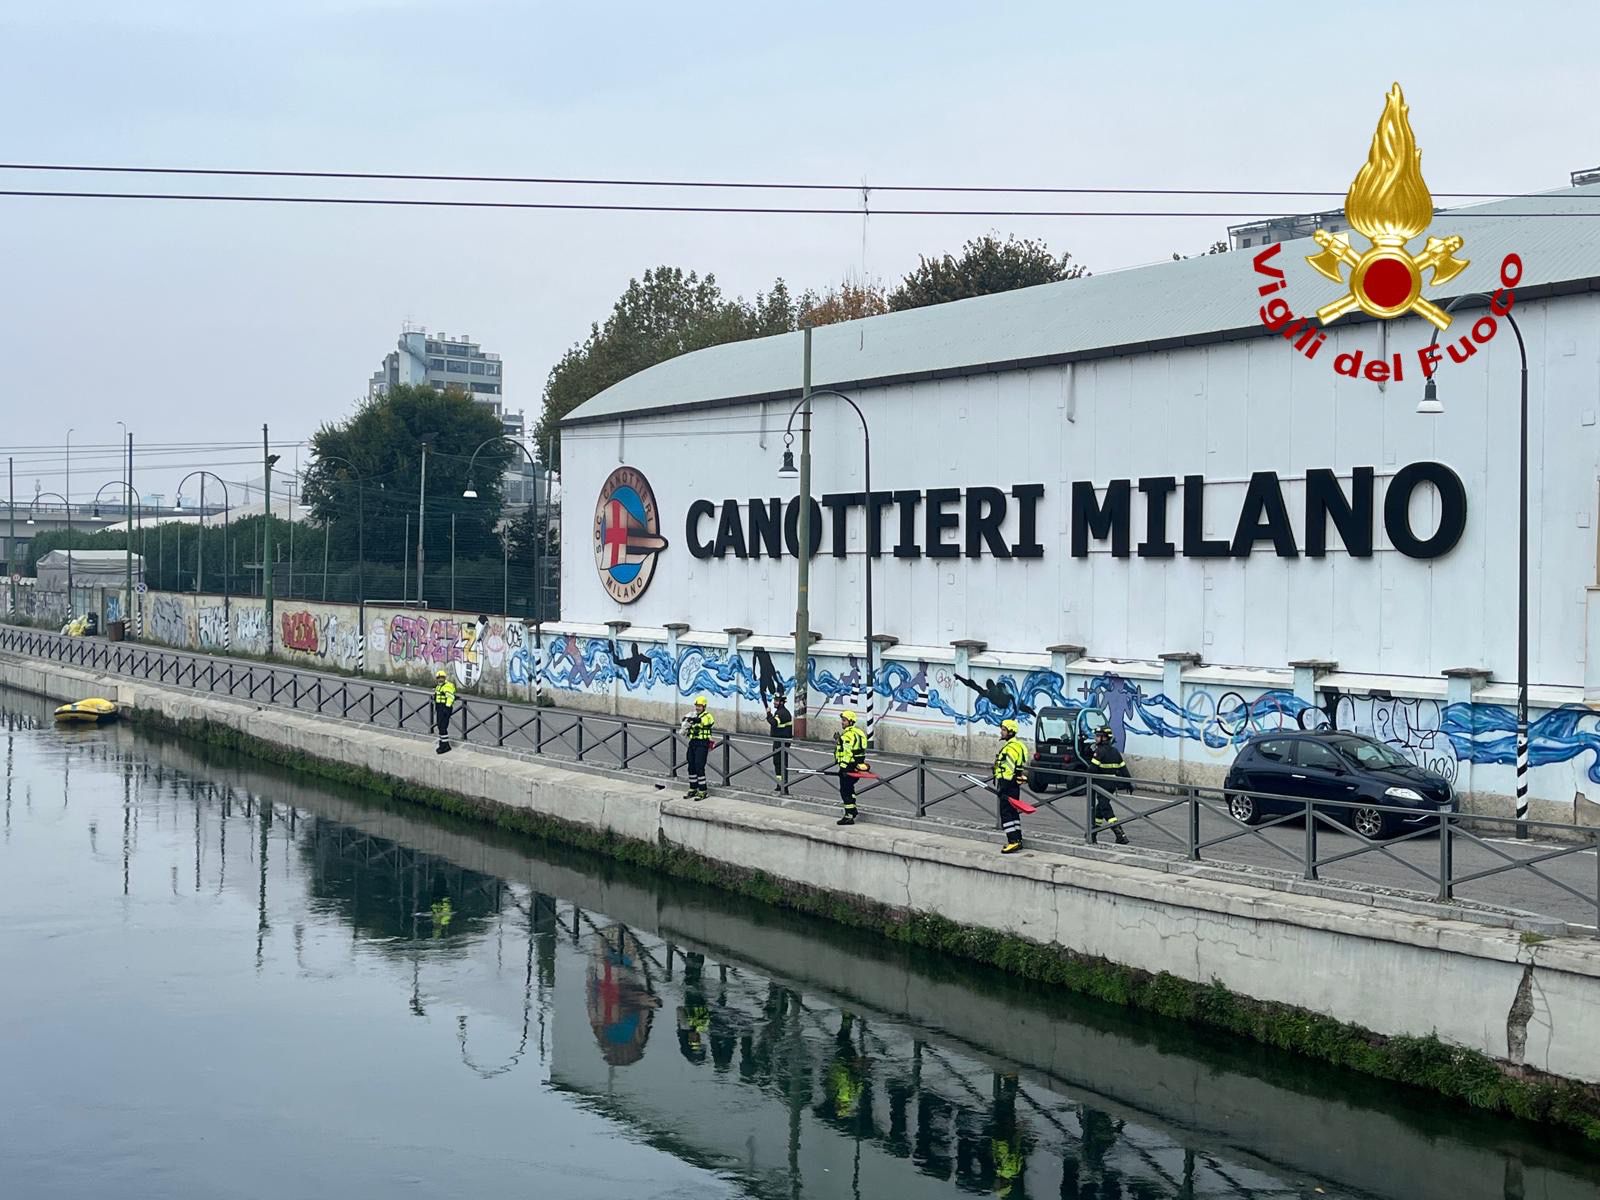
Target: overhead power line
[(409, 202), (729, 184)]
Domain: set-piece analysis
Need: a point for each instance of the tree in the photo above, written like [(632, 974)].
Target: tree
[(665, 313), (383, 440), (847, 302), (986, 265)]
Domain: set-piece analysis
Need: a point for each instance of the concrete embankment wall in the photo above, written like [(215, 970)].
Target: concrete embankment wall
[(1396, 974)]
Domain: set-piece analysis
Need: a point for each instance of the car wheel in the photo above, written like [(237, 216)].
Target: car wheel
[(1370, 823), (1038, 787), (1244, 809)]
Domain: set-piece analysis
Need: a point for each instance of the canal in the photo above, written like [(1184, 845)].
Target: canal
[(221, 979)]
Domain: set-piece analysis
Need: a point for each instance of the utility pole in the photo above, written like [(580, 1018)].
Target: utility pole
[(267, 459), (127, 516), (68, 499), (422, 506), (802, 612)]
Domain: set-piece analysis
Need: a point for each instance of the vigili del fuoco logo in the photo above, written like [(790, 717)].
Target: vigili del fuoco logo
[(627, 534), (1389, 203)]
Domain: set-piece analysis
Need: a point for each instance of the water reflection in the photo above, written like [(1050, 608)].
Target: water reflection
[(784, 1056)]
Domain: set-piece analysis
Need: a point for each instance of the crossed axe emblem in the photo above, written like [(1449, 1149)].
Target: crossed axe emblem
[(1386, 281)]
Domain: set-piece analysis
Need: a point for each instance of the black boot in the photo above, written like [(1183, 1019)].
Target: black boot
[(847, 819)]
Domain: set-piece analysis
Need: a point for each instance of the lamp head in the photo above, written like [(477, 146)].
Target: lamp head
[(470, 494), (788, 470), (1430, 405)]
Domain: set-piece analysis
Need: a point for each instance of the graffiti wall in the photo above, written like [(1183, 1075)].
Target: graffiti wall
[(940, 704), (28, 604)]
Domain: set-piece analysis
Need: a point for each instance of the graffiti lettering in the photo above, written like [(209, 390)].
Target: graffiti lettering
[(300, 632), (211, 626), (250, 628), (169, 621)]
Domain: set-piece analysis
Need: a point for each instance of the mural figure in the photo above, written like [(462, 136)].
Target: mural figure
[(632, 666), (466, 654), (769, 680)]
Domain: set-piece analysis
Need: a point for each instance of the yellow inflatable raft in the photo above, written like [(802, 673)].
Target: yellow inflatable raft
[(88, 710)]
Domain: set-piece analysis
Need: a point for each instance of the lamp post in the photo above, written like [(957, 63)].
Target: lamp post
[(361, 524), (788, 471), (127, 513), (1432, 406), (199, 533), (471, 493), (268, 461), (38, 496), (68, 503)]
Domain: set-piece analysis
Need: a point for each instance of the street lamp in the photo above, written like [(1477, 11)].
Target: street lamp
[(471, 493), (38, 496), (1431, 405), (69, 524), (361, 525), (788, 470), (128, 520), (199, 533)]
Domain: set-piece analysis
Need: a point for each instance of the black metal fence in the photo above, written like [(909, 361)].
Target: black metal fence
[(1440, 854)]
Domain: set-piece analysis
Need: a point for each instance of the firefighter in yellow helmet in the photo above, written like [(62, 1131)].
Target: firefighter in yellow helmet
[(1010, 770), (697, 727), (850, 755), (444, 703)]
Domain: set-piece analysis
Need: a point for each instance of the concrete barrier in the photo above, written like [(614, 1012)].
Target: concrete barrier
[(1523, 1002)]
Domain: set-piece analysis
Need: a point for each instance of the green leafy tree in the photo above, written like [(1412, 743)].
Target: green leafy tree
[(986, 265), (665, 313), (382, 443)]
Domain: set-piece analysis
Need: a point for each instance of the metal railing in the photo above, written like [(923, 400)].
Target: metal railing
[(1183, 821)]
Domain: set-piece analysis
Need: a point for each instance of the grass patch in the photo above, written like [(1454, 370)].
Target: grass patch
[(1425, 1062)]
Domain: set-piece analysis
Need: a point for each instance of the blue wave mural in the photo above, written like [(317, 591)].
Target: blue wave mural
[(1215, 718)]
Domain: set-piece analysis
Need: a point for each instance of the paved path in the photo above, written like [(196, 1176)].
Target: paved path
[(1406, 869)]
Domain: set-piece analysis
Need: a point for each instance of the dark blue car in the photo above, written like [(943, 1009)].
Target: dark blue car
[(1345, 774)]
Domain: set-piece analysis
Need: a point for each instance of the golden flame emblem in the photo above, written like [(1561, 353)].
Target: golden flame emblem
[(1390, 203)]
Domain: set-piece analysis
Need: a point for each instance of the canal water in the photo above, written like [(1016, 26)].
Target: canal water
[(220, 979)]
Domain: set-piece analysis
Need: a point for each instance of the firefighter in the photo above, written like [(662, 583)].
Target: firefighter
[(781, 722), (1106, 759), (444, 702), (850, 753), (697, 727), (1010, 770)]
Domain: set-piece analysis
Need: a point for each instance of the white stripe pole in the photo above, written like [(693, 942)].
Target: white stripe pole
[(1522, 773)]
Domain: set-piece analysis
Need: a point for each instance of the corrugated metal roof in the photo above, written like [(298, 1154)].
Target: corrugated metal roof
[(1204, 299)]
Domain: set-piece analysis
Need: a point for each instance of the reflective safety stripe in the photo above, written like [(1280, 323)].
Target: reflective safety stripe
[(700, 727), (1013, 756), (849, 746)]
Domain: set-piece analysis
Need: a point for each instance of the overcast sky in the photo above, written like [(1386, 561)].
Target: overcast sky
[(196, 322)]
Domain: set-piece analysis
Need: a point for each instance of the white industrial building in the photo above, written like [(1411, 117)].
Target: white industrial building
[(1071, 466)]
